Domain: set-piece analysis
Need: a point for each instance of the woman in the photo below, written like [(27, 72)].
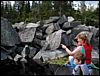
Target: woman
[(83, 46)]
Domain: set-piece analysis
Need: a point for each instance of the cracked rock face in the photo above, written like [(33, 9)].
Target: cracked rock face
[(9, 36)]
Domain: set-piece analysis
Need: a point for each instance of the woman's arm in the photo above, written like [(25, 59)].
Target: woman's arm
[(71, 52)]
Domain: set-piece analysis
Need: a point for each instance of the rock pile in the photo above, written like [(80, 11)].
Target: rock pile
[(43, 38)]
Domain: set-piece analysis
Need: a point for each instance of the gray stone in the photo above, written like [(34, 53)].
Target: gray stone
[(70, 19), (49, 29), (95, 42), (56, 27), (19, 25), (39, 54), (39, 35), (32, 51), (62, 20), (52, 27), (67, 25), (54, 40), (39, 42), (94, 30), (94, 54), (3, 55), (65, 39), (75, 23), (9, 36), (82, 27), (79, 28), (34, 25), (47, 25), (49, 55), (68, 32), (27, 35), (70, 25)]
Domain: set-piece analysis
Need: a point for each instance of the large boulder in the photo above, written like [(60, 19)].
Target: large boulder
[(70, 25), (54, 40), (9, 36), (27, 35)]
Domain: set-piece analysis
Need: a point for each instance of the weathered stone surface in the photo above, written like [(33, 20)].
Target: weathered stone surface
[(56, 27), (65, 39), (94, 30), (19, 25), (27, 35), (4, 55), (29, 25), (95, 43), (49, 55), (52, 27), (82, 27), (32, 51), (70, 19), (9, 36), (67, 25), (62, 20), (79, 28), (39, 42), (75, 23), (54, 40), (38, 55), (94, 54), (68, 32), (39, 35), (49, 29)]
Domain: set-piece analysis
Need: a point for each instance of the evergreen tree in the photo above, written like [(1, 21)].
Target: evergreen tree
[(45, 11), (2, 8)]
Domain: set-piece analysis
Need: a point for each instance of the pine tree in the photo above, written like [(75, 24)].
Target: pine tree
[(2, 8)]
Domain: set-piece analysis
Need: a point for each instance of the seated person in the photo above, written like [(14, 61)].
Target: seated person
[(80, 68)]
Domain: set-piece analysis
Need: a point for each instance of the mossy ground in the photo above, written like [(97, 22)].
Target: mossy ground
[(60, 61)]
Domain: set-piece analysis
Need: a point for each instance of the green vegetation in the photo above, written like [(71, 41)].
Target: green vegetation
[(60, 61), (41, 10)]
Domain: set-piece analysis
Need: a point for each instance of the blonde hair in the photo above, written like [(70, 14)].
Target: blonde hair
[(79, 56)]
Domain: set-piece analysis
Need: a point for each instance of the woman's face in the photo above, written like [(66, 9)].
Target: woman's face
[(80, 41)]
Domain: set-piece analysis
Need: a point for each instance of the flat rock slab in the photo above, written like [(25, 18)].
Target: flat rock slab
[(49, 55)]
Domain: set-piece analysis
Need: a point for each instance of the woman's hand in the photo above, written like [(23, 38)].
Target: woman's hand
[(63, 46)]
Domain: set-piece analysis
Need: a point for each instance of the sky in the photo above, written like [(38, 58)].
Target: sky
[(93, 3)]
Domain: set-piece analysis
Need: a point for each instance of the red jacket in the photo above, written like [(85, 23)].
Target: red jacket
[(88, 50)]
